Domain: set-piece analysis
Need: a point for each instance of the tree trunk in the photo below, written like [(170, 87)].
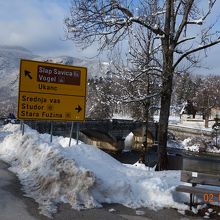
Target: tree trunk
[(165, 110), (207, 119), (144, 147), (163, 128), (168, 46)]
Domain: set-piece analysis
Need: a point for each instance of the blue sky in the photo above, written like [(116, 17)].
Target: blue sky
[(38, 25)]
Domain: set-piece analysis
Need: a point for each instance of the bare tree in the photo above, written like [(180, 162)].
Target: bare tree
[(138, 78), (172, 22), (208, 96)]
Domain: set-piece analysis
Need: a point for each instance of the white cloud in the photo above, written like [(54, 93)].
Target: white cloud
[(30, 24), (37, 25)]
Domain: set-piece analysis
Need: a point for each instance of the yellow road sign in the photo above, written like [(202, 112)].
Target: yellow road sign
[(41, 77), (50, 91), (50, 107)]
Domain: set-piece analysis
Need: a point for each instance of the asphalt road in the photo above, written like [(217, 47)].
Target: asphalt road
[(15, 206)]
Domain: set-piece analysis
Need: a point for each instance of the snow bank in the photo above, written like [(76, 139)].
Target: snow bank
[(196, 145), (122, 116), (212, 147), (82, 175), (45, 171), (191, 147)]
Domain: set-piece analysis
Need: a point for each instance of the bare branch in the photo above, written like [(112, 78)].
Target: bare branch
[(184, 20), (185, 39), (195, 50), (135, 99)]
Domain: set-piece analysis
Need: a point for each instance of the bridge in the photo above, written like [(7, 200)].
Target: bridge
[(98, 132)]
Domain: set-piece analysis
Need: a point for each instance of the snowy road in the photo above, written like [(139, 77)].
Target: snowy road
[(14, 206)]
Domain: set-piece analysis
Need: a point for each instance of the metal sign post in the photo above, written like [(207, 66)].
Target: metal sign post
[(51, 131), (71, 132), (77, 133), (22, 127)]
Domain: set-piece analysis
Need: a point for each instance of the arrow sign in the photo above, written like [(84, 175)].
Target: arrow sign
[(79, 109), (27, 73)]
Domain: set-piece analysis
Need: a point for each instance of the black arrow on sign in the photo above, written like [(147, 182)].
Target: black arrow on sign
[(27, 73), (79, 109)]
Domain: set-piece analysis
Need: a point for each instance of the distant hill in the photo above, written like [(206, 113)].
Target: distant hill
[(9, 69)]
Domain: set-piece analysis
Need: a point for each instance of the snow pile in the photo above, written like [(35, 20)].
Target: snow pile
[(141, 166), (213, 149), (187, 146), (121, 116), (198, 144), (45, 171), (82, 175)]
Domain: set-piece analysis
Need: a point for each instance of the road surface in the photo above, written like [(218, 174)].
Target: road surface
[(15, 206)]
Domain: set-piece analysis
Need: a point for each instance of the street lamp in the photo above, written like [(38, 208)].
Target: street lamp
[(216, 127)]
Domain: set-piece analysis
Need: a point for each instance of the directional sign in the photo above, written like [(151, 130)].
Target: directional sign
[(41, 77), (52, 107), (28, 74), (49, 91)]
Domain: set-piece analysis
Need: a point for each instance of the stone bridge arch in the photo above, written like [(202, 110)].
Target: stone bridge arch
[(112, 133), (109, 133)]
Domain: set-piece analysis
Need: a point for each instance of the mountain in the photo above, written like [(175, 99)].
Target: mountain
[(9, 70)]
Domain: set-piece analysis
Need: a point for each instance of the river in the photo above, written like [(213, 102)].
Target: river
[(177, 160)]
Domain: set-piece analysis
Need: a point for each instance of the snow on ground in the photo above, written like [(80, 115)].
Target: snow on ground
[(192, 126), (189, 145), (121, 117), (195, 144), (82, 175), (173, 119), (184, 145)]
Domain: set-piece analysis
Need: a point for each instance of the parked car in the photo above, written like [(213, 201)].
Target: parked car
[(11, 119)]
